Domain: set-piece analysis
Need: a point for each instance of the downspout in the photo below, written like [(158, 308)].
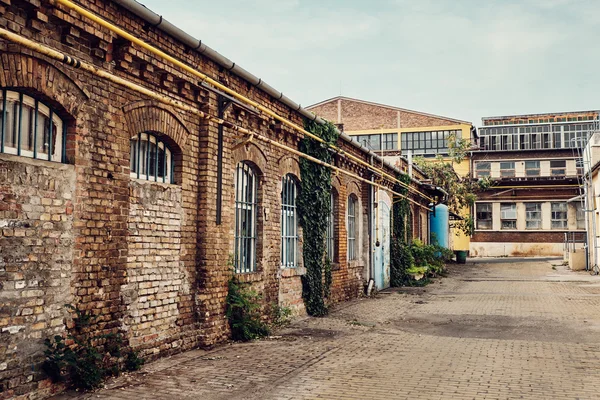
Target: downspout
[(371, 230)]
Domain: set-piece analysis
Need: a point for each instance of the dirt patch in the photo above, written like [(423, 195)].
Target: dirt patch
[(496, 327)]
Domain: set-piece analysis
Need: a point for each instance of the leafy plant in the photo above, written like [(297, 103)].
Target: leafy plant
[(243, 313), (281, 315), (90, 359), (461, 189), (133, 362), (314, 205)]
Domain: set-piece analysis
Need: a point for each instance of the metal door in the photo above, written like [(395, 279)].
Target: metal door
[(382, 252)]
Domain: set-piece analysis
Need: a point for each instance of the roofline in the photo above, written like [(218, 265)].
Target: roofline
[(386, 106), (540, 114), (157, 21)]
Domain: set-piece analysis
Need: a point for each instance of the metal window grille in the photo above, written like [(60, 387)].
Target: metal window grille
[(484, 215), (559, 215), (30, 128), (352, 227), (330, 238), (150, 159), (245, 219), (533, 216), (289, 222)]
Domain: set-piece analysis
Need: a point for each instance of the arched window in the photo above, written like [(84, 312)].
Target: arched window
[(150, 159), (245, 218), (289, 222), (330, 234), (352, 220), (30, 128)]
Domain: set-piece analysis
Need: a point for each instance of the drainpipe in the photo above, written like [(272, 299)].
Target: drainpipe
[(371, 229)]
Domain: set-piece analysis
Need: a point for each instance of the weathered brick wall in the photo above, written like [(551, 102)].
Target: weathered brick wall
[(36, 253), (358, 115), (156, 276), (147, 259)]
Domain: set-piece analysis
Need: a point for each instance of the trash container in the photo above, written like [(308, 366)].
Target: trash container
[(461, 256)]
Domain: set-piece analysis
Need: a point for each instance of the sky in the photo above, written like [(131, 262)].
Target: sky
[(463, 59)]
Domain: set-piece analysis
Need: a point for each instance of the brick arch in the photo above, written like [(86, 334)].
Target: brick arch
[(289, 164), (25, 72), (152, 116), (254, 154)]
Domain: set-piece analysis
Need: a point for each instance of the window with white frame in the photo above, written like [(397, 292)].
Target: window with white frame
[(484, 215), (483, 169), (150, 159), (246, 187), (559, 215), (558, 167), (289, 222), (352, 221), (507, 169), (532, 168), (580, 214), (330, 234), (533, 215), (508, 216), (30, 128)]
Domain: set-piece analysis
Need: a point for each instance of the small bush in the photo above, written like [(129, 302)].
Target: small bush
[(85, 364), (243, 313), (281, 315)]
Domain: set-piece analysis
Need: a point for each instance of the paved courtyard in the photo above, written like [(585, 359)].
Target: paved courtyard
[(496, 329)]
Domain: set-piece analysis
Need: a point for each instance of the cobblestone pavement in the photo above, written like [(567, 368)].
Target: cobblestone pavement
[(497, 329)]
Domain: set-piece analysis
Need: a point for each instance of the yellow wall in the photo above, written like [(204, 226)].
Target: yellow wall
[(458, 240)]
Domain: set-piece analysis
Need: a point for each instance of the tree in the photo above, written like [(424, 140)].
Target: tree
[(461, 189)]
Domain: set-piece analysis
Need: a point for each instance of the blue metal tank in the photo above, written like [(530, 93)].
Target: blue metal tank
[(439, 226)]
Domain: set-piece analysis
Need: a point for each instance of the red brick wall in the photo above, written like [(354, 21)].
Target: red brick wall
[(358, 115), (147, 259)]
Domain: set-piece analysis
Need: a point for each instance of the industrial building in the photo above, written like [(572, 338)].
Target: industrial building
[(534, 206), (140, 169), (398, 134)]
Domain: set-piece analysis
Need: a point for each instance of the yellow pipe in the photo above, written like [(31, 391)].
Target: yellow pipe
[(206, 78), (531, 187), (5, 34)]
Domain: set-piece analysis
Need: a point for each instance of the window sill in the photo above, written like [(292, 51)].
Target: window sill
[(291, 272), (35, 161), (248, 277), (146, 181)]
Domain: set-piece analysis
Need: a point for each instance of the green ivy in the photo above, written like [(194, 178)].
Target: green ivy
[(314, 205), (400, 252)]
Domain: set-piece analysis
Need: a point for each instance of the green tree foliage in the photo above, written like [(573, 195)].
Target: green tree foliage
[(314, 205), (461, 190)]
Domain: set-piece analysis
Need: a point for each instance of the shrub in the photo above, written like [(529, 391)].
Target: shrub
[(243, 313)]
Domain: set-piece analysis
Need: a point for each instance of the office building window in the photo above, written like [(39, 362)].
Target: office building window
[(558, 167), (508, 215), (580, 214), (484, 215), (428, 143), (532, 168), (559, 215), (507, 169), (378, 141), (483, 169), (533, 216)]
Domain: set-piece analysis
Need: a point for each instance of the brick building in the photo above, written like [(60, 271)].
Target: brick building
[(397, 133), (535, 162), (130, 207)]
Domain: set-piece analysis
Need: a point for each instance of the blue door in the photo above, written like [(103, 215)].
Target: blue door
[(382, 252)]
